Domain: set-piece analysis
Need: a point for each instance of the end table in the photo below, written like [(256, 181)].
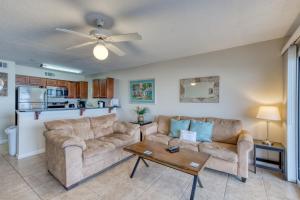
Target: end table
[(141, 124), (275, 147)]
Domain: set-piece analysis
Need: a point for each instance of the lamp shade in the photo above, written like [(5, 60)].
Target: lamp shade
[(268, 113)]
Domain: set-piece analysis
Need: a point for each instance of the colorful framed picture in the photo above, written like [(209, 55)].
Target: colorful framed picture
[(142, 91), (3, 84)]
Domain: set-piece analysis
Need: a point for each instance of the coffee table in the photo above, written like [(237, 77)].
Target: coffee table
[(179, 161)]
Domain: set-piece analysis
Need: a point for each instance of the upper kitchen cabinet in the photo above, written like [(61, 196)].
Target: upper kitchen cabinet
[(62, 83), (96, 88), (51, 82), (103, 88), (22, 80), (82, 90), (37, 81), (72, 89)]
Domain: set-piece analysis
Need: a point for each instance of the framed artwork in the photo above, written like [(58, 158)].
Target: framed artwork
[(3, 84), (142, 91), (200, 90)]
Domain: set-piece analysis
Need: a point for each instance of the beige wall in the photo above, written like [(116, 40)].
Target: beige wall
[(249, 76)]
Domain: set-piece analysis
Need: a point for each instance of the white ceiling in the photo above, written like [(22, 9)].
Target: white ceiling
[(170, 28)]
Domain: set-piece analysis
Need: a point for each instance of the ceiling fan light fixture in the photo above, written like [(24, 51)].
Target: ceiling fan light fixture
[(100, 52)]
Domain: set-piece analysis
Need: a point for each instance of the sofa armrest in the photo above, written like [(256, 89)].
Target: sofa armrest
[(149, 129), (126, 128), (244, 146), (62, 139), (245, 141), (64, 156)]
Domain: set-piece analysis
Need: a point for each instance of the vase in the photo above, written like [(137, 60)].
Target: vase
[(140, 118)]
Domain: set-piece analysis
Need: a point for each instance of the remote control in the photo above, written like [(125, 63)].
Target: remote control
[(147, 153), (195, 165)]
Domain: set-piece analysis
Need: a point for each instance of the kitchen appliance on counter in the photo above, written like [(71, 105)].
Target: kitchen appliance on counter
[(81, 104), (53, 105), (57, 92), (31, 98), (101, 104)]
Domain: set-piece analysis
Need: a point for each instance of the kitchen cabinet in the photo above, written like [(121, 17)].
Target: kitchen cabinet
[(96, 88), (22, 80), (37, 81), (72, 90), (62, 83), (110, 88), (51, 82), (103, 88), (82, 90)]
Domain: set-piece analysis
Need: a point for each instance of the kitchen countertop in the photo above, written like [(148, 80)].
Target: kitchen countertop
[(63, 109)]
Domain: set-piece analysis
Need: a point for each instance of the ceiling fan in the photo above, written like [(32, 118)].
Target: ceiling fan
[(102, 41)]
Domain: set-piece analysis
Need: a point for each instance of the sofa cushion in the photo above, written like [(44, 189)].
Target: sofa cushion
[(59, 125), (103, 125), (203, 130), (225, 130), (82, 128), (96, 149), (158, 137), (184, 144), (219, 150), (164, 123), (178, 125), (202, 119), (118, 139)]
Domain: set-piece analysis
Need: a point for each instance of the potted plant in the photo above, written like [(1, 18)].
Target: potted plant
[(141, 111)]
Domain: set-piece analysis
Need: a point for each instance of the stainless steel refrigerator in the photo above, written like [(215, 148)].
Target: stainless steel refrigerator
[(31, 98)]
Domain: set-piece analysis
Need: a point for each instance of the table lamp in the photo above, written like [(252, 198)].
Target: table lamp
[(268, 113)]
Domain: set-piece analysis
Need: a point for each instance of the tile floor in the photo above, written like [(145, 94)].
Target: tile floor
[(27, 179)]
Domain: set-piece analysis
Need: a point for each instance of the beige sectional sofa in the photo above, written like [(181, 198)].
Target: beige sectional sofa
[(79, 148), (229, 148)]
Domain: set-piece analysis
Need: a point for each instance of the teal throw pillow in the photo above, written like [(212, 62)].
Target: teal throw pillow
[(177, 126), (203, 129)]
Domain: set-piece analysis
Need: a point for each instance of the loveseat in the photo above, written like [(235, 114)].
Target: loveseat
[(79, 148), (229, 148)]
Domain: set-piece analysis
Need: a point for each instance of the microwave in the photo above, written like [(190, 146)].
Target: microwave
[(57, 92)]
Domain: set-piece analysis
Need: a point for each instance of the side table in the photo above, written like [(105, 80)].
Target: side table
[(275, 147), (141, 124)]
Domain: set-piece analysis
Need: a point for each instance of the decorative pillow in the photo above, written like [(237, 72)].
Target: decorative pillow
[(177, 126), (188, 135), (203, 129)]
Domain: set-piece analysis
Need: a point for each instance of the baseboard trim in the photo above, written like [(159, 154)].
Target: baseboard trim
[(3, 141), (32, 153)]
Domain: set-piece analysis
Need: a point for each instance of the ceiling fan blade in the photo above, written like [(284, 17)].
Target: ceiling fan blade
[(75, 33), (81, 45), (123, 37), (115, 49)]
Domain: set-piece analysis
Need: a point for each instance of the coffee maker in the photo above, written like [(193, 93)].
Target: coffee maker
[(101, 104), (81, 104)]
